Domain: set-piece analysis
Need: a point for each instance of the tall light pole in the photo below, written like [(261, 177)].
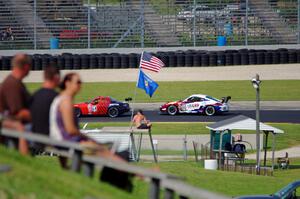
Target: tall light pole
[(256, 83)]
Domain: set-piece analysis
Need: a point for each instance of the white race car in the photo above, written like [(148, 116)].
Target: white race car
[(197, 104)]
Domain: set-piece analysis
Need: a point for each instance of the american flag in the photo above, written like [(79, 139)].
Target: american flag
[(150, 62)]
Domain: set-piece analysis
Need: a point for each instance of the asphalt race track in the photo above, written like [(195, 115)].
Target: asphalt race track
[(279, 116)]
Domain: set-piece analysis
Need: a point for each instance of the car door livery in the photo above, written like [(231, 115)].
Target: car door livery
[(102, 106), (93, 106), (192, 104)]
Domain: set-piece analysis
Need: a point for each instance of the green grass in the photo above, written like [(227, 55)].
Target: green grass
[(231, 183), (273, 90), (41, 177), (291, 137)]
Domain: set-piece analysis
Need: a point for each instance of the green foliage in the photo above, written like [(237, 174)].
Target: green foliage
[(271, 90)]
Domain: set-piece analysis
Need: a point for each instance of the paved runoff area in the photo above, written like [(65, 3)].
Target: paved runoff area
[(266, 72)]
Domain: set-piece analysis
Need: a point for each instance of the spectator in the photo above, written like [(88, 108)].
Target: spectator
[(41, 102), (42, 99), (141, 121), (14, 97), (63, 125), (7, 34)]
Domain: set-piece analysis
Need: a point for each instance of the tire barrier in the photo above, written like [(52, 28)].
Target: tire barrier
[(283, 57), (6, 63), (76, 62), (68, 61), (190, 58), (124, 61), (212, 59), (45, 60), (173, 61), (260, 57), (116, 61), (204, 60), (292, 56), (196, 59), (236, 58), (221, 59), (53, 60), (85, 61), (165, 59), (101, 61), (180, 59), (298, 56), (37, 62), (252, 58), (268, 57), (228, 58), (275, 57), (108, 61), (244, 58), (132, 60), (93, 61)]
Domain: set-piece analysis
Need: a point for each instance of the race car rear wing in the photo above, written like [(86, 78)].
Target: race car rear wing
[(225, 99)]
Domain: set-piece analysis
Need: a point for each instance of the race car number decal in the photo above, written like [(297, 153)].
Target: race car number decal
[(92, 108), (192, 106)]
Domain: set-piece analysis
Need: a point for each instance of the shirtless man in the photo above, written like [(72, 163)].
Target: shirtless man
[(140, 121)]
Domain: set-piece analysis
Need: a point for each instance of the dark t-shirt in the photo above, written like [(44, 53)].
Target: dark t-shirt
[(40, 107), (13, 96)]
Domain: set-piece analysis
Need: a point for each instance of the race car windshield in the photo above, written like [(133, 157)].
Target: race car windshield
[(212, 98)]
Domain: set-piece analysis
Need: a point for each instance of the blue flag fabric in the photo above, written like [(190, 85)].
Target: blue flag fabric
[(146, 83)]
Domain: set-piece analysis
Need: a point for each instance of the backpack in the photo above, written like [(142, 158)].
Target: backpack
[(239, 148)]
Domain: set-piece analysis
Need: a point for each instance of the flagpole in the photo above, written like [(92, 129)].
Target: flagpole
[(134, 97)]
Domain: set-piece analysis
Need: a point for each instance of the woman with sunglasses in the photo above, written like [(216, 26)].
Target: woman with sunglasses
[(63, 123)]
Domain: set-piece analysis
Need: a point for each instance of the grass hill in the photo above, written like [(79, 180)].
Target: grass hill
[(41, 177)]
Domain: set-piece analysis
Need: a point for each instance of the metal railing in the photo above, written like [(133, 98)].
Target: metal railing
[(147, 23), (171, 185)]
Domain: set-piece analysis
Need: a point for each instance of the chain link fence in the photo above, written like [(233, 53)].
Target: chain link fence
[(44, 24)]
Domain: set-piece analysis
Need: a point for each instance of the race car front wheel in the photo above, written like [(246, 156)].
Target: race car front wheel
[(77, 112), (113, 112), (210, 110), (172, 110)]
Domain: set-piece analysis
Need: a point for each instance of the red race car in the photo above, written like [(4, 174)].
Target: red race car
[(102, 106)]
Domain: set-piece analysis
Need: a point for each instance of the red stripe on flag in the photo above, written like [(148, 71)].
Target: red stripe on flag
[(151, 64), (151, 69)]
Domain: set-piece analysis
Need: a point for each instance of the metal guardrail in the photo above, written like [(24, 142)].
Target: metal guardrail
[(158, 181), (148, 23)]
